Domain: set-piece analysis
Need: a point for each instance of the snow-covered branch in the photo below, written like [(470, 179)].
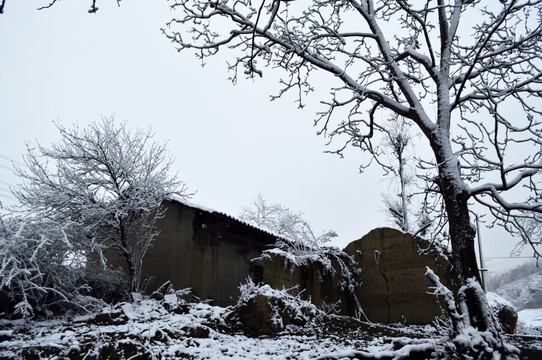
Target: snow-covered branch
[(472, 89), (294, 233), (108, 179)]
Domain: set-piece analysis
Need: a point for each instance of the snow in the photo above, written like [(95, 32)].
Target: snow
[(156, 332), (494, 299), (530, 321), (173, 328)]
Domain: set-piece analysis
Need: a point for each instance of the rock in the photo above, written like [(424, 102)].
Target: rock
[(110, 318), (504, 312), (166, 288), (137, 297), (186, 295), (508, 318), (257, 317), (263, 310), (199, 331), (5, 335)]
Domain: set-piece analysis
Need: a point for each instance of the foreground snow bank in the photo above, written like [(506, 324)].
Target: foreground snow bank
[(175, 325), (169, 326)]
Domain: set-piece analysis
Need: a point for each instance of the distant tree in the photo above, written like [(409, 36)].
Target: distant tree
[(107, 179), (472, 89), (425, 217), (289, 224), (529, 229), (397, 139)]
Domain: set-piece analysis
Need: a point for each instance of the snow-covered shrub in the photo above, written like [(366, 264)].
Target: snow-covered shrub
[(328, 261), (36, 271), (298, 246), (108, 285), (265, 311)]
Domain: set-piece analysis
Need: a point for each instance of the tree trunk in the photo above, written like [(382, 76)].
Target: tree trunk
[(462, 237), (126, 253), (405, 226)]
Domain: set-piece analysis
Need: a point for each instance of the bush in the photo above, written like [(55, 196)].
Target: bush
[(266, 311), (38, 274)]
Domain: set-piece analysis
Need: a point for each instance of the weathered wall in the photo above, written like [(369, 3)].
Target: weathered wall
[(212, 253), (206, 251), (393, 274), (393, 282), (313, 279)]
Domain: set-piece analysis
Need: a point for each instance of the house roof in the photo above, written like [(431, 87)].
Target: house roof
[(192, 205)]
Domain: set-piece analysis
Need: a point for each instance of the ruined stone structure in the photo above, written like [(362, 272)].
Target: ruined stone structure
[(318, 279), (205, 250), (213, 253), (391, 287), (395, 288)]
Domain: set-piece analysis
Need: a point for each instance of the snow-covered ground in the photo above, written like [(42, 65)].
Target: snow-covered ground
[(530, 321), (172, 328)]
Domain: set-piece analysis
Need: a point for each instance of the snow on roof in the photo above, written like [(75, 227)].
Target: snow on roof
[(192, 205)]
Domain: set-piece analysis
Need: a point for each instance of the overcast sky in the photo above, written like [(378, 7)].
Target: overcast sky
[(230, 142)]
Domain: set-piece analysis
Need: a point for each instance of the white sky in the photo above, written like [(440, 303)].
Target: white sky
[(230, 142)]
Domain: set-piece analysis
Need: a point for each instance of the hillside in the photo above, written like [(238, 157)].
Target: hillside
[(523, 293), (522, 286)]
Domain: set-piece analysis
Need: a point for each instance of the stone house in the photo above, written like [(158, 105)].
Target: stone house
[(205, 250), (213, 253)]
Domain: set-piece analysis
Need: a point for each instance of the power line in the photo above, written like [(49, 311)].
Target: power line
[(11, 160), (508, 257), (6, 167)]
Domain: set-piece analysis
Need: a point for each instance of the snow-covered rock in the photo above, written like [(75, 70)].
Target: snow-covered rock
[(504, 311)]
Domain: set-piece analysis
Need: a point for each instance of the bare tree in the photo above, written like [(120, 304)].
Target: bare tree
[(281, 220), (396, 141), (47, 4), (426, 217), (106, 178), (473, 91), (529, 229)]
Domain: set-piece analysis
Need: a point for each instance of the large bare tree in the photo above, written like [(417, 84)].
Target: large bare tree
[(108, 179), (467, 74)]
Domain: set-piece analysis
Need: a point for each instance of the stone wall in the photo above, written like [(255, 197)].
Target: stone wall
[(391, 285), (319, 281), (212, 253), (395, 288), (207, 251)]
